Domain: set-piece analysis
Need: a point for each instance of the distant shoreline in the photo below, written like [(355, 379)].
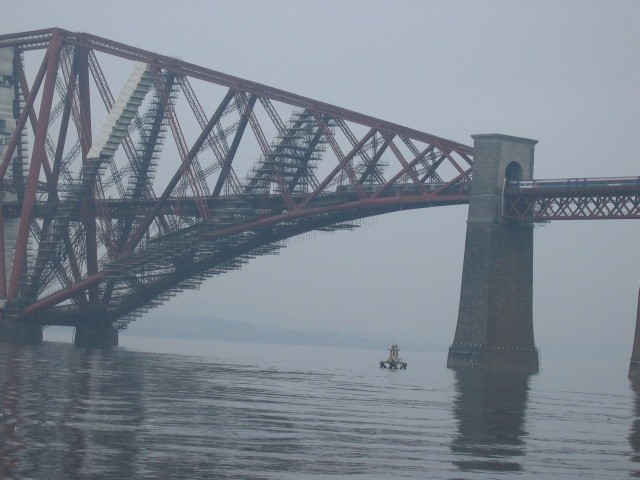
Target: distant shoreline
[(208, 329)]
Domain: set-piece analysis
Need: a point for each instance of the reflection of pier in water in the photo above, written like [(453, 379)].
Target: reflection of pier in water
[(634, 435), (86, 418), (81, 413), (10, 443), (490, 412)]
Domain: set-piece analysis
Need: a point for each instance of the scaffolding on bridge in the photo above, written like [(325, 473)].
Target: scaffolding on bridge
[(112, 204)]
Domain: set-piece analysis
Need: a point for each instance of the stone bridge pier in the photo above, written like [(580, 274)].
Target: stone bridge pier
[(495, 317), (634, 364), (95, 334)]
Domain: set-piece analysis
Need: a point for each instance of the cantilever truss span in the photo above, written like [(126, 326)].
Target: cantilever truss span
[(121, 189)]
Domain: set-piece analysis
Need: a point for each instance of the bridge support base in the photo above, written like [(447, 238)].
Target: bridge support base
[(20, 333), (96, 335), (470, 356)]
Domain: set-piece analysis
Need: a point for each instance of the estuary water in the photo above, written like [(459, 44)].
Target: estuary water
[(177, 409)]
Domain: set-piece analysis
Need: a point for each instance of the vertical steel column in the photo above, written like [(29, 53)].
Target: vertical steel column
[(19, 258), (88, 218), (24, 116), (226, 167)]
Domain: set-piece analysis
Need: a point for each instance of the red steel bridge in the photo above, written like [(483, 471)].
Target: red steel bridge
[(129, 176)]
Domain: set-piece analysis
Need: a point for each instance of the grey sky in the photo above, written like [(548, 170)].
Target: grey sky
[(565, 73)]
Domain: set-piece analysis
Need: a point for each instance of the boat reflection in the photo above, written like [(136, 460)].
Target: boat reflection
[(490, 411)]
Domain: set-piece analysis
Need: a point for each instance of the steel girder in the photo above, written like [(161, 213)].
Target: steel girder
[(129, 199), (574, 199)]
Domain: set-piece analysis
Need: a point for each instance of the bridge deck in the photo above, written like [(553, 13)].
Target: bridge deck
[(573, 199)]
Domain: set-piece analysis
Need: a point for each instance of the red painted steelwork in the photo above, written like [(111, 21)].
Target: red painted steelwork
[(22, 120), (389, 202), (39, 38), (96, 246), (20, 254), (104, 247)]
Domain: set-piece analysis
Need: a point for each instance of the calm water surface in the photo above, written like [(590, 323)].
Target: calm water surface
[(205, 410)]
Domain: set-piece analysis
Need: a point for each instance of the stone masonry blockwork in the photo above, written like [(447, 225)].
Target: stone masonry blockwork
[(495, 317)]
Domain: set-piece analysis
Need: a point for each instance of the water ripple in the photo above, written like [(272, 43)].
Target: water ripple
[(67, 413)]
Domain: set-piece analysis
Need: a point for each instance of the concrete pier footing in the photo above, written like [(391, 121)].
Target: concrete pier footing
[(522, 359), (95, 335), (495, 317), (17, 333)]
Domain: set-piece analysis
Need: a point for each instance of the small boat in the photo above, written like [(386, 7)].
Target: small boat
[(393, 360)]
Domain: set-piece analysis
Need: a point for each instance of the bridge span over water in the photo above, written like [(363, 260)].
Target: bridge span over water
[(119, 190)]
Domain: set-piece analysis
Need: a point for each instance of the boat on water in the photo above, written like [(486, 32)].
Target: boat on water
[(394, 360)]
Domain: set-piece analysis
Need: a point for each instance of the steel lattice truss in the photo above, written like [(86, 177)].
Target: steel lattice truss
[(122, 189), (573, 199)]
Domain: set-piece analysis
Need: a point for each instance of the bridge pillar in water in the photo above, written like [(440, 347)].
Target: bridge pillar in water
[(495, 317), (95, 335), (634, 365), (12, 331)]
